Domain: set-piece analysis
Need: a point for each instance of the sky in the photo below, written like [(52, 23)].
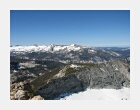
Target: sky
[(97, 28)]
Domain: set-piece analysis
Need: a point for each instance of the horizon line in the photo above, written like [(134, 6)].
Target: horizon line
[(69, 44)]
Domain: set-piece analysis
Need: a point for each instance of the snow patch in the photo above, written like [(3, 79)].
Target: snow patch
[(74, 66), (73, 45), (98, 94), (44, 48), (126, 49), (15, 71)]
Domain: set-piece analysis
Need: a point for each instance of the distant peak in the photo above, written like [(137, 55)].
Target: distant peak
[(73, 45), (35, 45)]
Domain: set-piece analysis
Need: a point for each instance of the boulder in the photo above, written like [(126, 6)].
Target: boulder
[(21, 95), (37, 98)]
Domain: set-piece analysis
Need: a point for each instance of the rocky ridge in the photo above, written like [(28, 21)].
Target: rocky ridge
[(113, 74)]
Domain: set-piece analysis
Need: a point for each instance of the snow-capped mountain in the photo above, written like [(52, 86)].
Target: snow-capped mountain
[(48, 48), (69, 53)]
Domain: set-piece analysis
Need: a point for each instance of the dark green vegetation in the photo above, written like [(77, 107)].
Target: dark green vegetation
[(43, 80), (70, 70)]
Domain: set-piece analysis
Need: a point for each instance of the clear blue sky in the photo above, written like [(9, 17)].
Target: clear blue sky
[(84, 27)]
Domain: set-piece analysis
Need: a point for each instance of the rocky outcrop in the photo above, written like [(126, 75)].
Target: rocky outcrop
[(37, 98), (113, 74), (22, 91)]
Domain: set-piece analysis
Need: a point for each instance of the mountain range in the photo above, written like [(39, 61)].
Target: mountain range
[(54, 70), (70, 53)]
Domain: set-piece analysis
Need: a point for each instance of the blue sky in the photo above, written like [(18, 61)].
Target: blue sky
[(99, 28)]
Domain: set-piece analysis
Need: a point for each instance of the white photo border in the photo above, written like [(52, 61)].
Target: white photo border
[(7, 5)]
